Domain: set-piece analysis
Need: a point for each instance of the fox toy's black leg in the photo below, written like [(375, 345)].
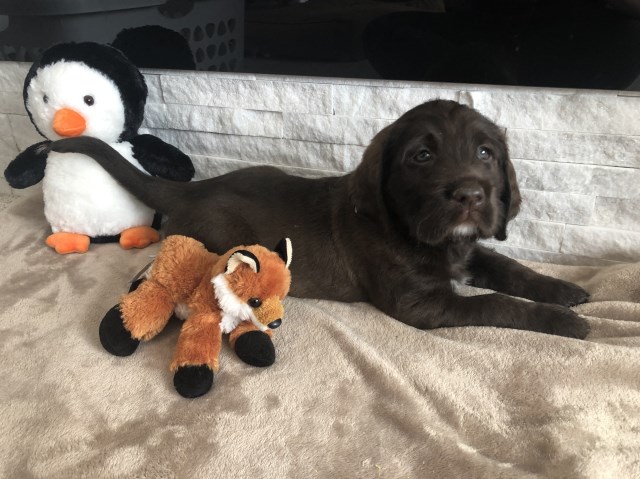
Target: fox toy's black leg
[(141, 315), (197, 353), (113, 335), (193, 381), (252, 346), (115, 338)]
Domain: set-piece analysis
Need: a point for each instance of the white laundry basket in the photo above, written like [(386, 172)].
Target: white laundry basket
[(214, 29)]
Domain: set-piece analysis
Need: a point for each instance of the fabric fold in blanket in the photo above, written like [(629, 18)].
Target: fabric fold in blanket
[(353, 393)]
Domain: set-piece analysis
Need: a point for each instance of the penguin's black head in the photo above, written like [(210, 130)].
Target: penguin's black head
[(106, 60)]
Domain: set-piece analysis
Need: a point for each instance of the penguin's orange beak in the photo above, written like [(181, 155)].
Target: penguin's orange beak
[(67, 122)]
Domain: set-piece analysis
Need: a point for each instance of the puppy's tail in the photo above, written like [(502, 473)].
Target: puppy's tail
[(157, 193)]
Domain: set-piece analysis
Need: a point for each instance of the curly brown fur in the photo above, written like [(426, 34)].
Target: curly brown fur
[(394, 232)]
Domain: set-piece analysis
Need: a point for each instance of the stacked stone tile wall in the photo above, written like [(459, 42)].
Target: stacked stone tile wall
[(576, 152)]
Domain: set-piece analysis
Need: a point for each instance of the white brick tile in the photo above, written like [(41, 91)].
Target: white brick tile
[(24, 132), (226, 76), (301, 154), (548, 176), (585, 148), (212, 90), (155, 90), (557, 207), (12, 75), (616, 245), (617, 213), (367, 82), (11, 102), (209, 167), (615, 182), (383, 102), (533, 234), (516, 109), (342, 130), (582, 179), (592, 112), (230, 121), (351, 155)]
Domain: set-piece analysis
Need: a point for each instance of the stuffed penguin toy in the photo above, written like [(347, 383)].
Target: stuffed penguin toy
[(94, 90)]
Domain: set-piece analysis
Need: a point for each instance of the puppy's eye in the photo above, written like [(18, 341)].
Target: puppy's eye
[(45, 99), (254, 302), (88, 99), (483, 153), (423, 156)]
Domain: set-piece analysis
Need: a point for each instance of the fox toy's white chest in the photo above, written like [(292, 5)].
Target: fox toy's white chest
[(81, 197)]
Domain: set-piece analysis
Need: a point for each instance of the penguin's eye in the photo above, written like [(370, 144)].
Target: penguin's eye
[(88, 99), (45, 99), (254, 302)]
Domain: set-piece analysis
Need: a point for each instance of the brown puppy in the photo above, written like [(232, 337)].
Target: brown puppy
[(395, 232)]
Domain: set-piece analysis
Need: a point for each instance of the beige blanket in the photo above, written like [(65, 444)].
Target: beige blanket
[(353, 394)]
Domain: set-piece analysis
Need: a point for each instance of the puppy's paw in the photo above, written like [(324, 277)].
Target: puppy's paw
[(561, 321), (561, 292)]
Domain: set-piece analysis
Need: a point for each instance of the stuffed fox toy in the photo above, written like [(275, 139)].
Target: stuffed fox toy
[(239, 293)]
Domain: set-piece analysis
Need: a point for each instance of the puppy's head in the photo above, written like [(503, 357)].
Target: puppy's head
[(440, 172)]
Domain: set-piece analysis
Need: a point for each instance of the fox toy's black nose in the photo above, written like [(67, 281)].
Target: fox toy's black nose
[(275, 324)]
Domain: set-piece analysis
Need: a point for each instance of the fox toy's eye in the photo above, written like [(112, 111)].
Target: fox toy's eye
[(255, 302), (88, 99)]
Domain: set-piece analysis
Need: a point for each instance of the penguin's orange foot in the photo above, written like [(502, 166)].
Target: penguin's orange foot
[(65, 243), (138, 237)]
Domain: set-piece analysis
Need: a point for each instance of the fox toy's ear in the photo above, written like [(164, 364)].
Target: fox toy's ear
[(284, 250), (242, 257)]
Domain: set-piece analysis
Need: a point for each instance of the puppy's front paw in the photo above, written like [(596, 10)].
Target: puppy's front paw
[(561, 292), (561, 321)]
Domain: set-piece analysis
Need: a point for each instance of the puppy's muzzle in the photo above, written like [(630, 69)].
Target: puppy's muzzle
[(470, 195)]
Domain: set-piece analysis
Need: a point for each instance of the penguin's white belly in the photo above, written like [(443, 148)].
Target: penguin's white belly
[(81, 197)]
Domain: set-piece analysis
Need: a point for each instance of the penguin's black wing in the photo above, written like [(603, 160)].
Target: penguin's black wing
[(162, 159), (27, 168)]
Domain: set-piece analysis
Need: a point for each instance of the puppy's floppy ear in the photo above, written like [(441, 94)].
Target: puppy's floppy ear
[(366, 182), (510, 196), (284, 250), (242, 257)]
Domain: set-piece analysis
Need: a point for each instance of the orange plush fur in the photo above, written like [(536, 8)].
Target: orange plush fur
[(186, 279)]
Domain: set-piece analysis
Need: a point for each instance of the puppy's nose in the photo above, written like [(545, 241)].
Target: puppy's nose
[(469, 195)]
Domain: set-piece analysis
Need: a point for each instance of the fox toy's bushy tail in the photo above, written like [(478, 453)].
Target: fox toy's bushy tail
[(157, 193)]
